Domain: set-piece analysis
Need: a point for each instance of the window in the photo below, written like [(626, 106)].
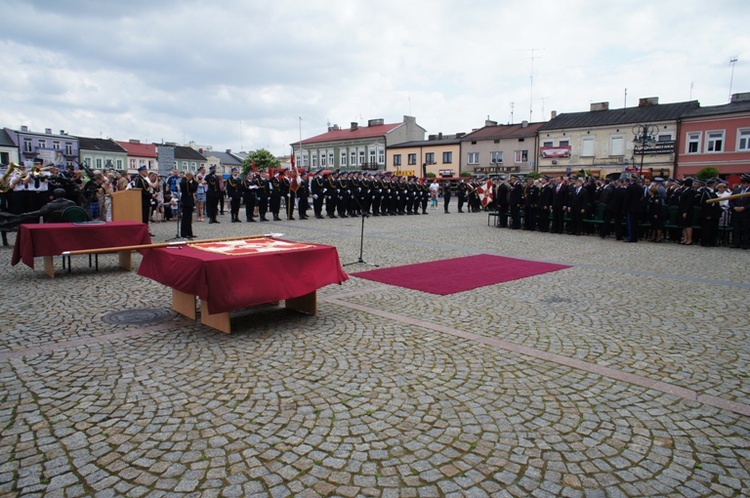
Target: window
[(330, 158), (98, 163), (361, 157), (564, 143), (664, 137), (617, 146), (87, 161), (521, 156), (548, 144), (429, 158), (315, 160), (56, 144), (743, 139), (447, 157), (473, 158), (323, 161), (587, 147), (412, 159), (42, 144), (381, 156), (343, 158), (119, 164), (496, 157), (715, 141), (397, 159), (693, 143), (132, 164), (372, 156), (27, 145), (68, 149)]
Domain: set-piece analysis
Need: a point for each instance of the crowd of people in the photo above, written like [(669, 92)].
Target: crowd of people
[(630, 207)]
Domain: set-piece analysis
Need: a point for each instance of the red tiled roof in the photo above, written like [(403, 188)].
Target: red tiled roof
[(348, 134), (138, 149)]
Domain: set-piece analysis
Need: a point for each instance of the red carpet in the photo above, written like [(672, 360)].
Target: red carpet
[(459, 274)]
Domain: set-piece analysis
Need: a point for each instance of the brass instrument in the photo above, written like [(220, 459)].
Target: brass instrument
[(4, 181)]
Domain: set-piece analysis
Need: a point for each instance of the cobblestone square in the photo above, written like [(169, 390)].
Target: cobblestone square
[(624, 375)]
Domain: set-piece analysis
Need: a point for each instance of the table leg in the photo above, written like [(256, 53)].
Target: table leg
[(126, 262), (49, 266), (218, 321), (184, 304), (307, 304)]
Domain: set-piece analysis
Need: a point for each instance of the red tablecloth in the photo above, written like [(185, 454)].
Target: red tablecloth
[(232, 282), (52, 239)]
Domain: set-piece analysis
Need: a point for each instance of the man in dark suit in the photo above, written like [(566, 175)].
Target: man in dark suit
[(188, 187), (559, 205), (546, 196), (501, 199), (531, 205), (740, 209), (578, 205), (710, 213), (633, 204), (614, 210), (515, 201)]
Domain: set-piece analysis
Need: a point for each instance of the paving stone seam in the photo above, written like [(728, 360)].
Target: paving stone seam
[(635, 379), (20, 353)]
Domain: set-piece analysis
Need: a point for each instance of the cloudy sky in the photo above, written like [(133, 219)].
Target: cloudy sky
[(240, 74)]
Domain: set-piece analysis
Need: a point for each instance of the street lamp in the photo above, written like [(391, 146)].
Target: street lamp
[(643, 135)]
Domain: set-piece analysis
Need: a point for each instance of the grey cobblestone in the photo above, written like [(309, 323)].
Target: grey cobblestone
[(370, 397)]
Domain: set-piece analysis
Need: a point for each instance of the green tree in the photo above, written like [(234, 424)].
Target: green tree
[(707, 172), (263, 160), (534, 174), (465, 174)]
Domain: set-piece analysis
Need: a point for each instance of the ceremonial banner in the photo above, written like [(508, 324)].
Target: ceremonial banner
[(485, 193)]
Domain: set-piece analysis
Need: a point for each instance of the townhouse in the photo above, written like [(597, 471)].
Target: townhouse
[(355, 148), (500, 149), (604, 142), (718, 137), (101, 153), (439, 155), (59, 149), (140, 155)]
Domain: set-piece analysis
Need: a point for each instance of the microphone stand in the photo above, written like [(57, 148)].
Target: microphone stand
[(179, 221), (361, 238)]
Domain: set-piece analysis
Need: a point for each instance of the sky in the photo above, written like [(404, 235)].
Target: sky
[(250, 74)]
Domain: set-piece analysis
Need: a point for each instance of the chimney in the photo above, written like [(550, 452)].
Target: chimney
[(431, 137), (489, 122), (440, 135), (24, 128), (740, 97), (553, 114), (375, 122), (354, 126), (48, 131), (62, 132), (134, 141), (600, 106), (524, 124), (648, 101), (228, 151)]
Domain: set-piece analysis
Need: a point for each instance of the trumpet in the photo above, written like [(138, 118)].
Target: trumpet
[(4, 181)]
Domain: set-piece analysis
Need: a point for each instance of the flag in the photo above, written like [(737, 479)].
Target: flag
[(294, 184), (485, 193), (293, 161)]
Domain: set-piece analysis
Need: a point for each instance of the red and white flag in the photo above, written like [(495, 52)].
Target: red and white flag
[(485, 193)]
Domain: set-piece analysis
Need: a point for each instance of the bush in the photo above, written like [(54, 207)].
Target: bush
[(707, 172)]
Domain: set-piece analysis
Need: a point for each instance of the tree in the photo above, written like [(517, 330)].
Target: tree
[(707, 172), (534, 174), (262, 159)]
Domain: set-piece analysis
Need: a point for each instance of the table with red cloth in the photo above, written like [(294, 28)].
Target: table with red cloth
[(52, 239), (241, 273)]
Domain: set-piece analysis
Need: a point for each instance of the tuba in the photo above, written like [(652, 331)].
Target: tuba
[(4, 181)]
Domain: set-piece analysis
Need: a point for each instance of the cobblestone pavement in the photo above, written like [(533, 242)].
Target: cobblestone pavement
[(624, 375)]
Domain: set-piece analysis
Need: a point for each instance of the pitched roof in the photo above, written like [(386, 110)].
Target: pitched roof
[(181, 152), (100, 144), (496, 132), (715, 110), (349, 134), (6, 140), (138, 149), (224, 157), (628, 115), (426, 143)]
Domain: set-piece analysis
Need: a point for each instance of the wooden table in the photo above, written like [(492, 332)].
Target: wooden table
[(226, 278), (53, 239)]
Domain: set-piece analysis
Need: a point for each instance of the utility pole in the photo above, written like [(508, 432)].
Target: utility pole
[(732, 61)]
